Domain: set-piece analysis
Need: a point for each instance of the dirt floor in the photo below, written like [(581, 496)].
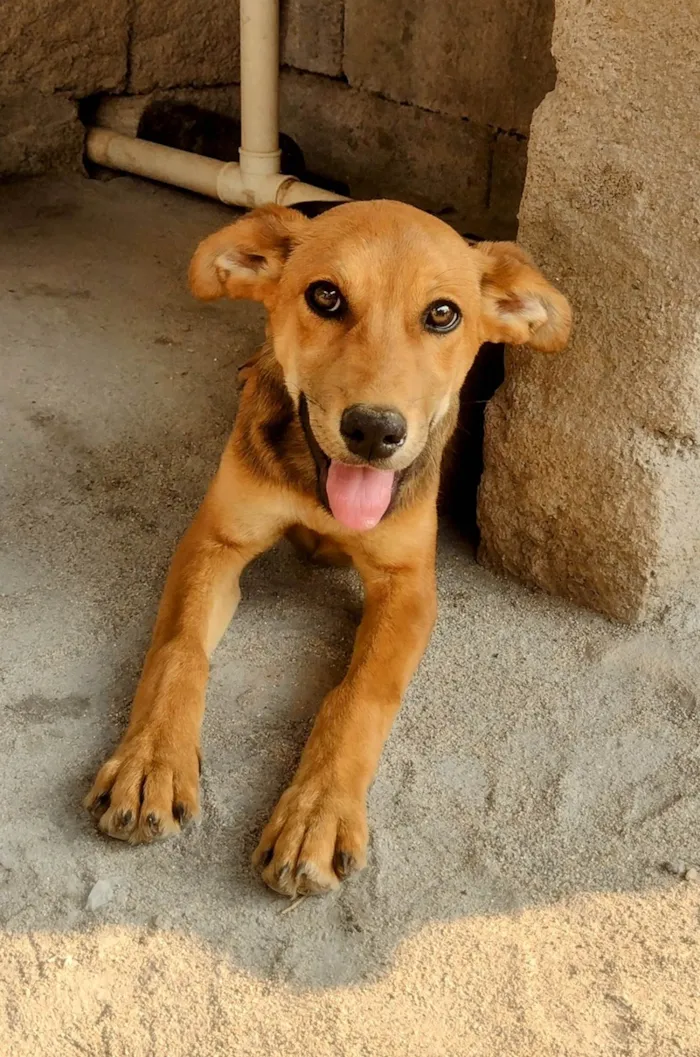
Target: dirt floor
[(543, 770)]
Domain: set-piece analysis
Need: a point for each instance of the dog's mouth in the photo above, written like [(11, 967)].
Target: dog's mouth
[(357, 496)]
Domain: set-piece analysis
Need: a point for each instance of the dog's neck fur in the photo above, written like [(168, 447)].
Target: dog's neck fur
[(270, 438)]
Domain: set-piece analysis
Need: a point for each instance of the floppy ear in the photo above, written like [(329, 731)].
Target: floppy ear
[(245, 259), (518, 305)]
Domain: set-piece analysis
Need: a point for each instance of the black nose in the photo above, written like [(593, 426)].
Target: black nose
[(373, 432)]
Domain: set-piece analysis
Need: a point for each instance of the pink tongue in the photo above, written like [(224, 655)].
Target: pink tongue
[(358, 495)]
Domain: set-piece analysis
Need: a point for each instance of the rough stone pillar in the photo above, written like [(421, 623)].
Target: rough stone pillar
[(592, 459)]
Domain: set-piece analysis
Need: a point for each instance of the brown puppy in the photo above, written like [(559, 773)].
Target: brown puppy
[(375, 314)]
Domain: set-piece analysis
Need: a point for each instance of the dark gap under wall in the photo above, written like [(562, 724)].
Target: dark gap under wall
[(464, 460)]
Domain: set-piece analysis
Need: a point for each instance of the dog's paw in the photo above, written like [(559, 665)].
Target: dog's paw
[(316, 837), (146, 791)]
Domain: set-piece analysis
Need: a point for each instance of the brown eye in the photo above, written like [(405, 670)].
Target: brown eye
[(441, 316), (325, 300)]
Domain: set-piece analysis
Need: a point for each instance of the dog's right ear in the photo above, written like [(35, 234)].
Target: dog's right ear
[(518, 305), (245, 259)]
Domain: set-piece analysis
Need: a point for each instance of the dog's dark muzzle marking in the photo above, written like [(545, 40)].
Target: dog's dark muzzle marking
[(319, 456)]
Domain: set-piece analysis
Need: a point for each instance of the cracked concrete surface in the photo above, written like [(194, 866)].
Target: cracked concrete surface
[(544, 767)]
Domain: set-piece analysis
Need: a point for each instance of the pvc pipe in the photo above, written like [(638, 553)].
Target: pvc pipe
[(121, 113), (206, 176), (259, 153), (257, 180), (142, 158)]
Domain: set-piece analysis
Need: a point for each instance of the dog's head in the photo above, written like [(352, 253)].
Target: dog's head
[(376, 312)]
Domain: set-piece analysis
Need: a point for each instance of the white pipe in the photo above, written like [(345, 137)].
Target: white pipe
[(142, 158), (206, 176), (259, 153), (257, 180)]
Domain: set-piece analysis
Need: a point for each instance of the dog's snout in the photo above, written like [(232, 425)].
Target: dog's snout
[(373, 432)]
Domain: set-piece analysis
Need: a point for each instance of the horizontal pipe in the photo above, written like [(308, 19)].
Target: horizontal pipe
[(166, 164), (121, 113), (206, 176)]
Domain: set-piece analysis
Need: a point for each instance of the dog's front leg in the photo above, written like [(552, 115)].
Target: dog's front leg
[(318, 831), (150, 786)]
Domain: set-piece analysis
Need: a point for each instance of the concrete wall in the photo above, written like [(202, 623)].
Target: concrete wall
[(592, 481), (430, 102)]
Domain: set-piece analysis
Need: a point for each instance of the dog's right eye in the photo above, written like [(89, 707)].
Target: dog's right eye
[(325, 300)]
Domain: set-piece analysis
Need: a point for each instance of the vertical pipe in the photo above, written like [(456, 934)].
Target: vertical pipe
[(259, 153)]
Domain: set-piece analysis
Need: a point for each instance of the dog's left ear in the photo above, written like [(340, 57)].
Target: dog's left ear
[(245, 259), (518, 305)]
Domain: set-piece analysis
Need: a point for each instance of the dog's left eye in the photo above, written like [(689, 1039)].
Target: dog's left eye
[(441, 316), (325, 300)]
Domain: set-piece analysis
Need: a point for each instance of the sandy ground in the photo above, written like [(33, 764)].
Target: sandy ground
[(544, 767)]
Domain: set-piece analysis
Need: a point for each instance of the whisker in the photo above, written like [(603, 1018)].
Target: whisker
[(311, 400)]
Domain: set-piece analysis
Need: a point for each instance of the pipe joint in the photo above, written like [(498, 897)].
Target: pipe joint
[(236, 188), (259, 163)]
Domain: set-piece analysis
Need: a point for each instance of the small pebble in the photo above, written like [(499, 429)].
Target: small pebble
[(692, 874), (100, 894), (676, 866)]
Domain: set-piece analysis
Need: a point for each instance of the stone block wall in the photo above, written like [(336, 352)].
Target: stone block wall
[(592, 479), (53, 53), (427, 101)]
